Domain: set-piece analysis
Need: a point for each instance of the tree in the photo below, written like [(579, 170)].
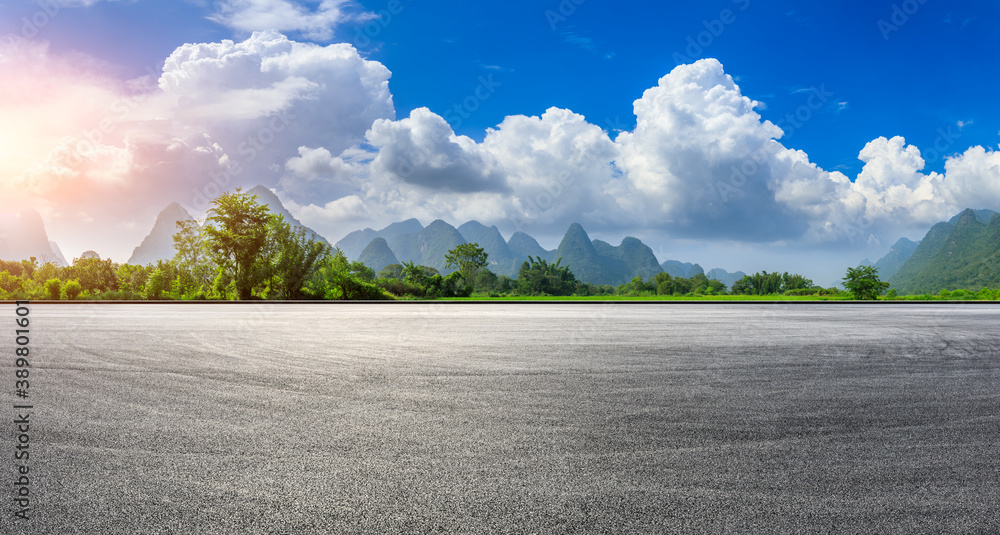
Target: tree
[(238, 241), (541, 278), (864, 283), (468, 258), (392, 271), (54, 288), (335, 279), (93, 274), (73, 289), (295, 258), (193, 257)]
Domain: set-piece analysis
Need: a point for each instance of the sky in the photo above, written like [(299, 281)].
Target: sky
[(738, 134)]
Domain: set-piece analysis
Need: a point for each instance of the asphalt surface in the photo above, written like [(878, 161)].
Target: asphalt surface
[(510, 418)]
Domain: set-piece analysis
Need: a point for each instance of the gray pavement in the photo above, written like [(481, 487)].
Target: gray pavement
[(511, 418)]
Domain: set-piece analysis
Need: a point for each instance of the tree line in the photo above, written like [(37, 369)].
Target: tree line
[(244, 251)]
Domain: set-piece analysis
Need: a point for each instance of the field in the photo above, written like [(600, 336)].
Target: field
[(511, 417)]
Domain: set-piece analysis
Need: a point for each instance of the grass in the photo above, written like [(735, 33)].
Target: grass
[(485, 297)]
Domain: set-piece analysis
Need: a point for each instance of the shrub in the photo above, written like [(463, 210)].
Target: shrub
[(73, 289), (53, 288)]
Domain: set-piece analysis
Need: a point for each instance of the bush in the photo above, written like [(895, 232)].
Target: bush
[(53, 288), (400, 287), (73, 289), (354, 289)]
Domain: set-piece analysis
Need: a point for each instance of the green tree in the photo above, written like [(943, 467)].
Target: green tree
[(9, 282), (54, 288), (73, 289), (93, 274), (193, 258), (237, 234), (538, 277), (335, 279), (864, 284), (294, 259), (392, 271), (469, 258)]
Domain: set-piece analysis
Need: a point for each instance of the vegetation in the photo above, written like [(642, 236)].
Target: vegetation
[(961, 253), (764, 283), (864, 284), (244, 251), (468, 258)]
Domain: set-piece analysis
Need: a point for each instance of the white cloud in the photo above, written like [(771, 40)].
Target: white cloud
[(221, 115), (283, 16), (422, 150)]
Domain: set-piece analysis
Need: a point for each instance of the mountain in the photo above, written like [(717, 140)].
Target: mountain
[(159, 243), (592, 261), (356, 241), (584, 260), (724, 276), (23, 236), (898, 254), (427, 247), (377, 255), (983, 216), (963, 252), (502, 260), (682, 270), (268, 198), (638, 257), (60, 259), (524, 246)]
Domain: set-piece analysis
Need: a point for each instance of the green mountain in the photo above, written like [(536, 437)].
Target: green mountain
[(427, 247), (685, 270), (502, 260), (584, 260), (524, 246), (377, 255), (591, 261), (355, 242), (963, 252), (638, 257), (898, 254), (983, 216), (724, 276)]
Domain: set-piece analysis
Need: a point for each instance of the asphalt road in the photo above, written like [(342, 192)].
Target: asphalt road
[(509, 418)]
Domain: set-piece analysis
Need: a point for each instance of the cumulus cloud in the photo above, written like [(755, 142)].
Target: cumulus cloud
[(701, 163), (422, 150), (283, 16), (319, 123), (271, 91), (221, 115)]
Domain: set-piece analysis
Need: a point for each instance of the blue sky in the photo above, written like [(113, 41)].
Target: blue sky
[(912, 79), (925, 71)]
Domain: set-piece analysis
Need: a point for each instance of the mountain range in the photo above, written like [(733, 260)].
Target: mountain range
[(963, 252), (592, 261)]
